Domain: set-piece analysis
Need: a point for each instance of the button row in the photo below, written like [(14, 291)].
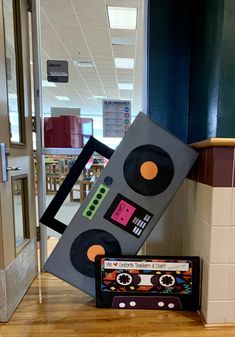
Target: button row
[(95, 201)]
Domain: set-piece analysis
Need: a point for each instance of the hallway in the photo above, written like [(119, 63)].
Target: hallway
[(55, 309)]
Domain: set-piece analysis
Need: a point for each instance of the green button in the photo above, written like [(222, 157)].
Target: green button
[(88, 213), (95, 202), (99, 196), (102, 190), (92, 207)]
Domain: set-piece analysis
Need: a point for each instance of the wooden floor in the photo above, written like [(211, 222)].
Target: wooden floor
[(55, 309)]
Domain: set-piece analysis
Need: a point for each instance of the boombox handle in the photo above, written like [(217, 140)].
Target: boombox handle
[(93, 145)]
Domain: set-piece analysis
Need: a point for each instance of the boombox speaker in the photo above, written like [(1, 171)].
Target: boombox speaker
[(125, 203)]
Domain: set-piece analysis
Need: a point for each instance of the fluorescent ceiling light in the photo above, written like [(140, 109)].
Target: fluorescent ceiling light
[(125, 86), (124, 63), (48, 84), (63, 98), (83, 64), (90, 97), (123, 41), (95, 96), (12, 96), (122, 17)]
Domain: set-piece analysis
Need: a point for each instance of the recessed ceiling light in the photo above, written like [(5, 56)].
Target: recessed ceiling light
[(63, 98), (124, 63), (125, 86), (96, 96), (122, 17), (83, 64), (90, 97), (48, 84)]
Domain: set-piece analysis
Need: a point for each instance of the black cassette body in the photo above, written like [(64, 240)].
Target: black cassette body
[(148, 282)]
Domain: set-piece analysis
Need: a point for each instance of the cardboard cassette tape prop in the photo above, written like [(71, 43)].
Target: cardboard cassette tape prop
[(145, 282), (125, 203)]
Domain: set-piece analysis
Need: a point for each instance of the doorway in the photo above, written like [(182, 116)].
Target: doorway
[(102, 44)]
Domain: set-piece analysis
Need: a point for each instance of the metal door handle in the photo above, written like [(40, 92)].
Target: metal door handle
[(4, 151), (14, 168)]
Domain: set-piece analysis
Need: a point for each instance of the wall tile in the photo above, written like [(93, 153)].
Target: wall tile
[(202, 166), (207, 203), (177, 209), (223, 166), (200, 195), (230, 317), (205, 277), (218, 282), (231, 283), (190, 196), (193, 173), (216, 312), (159, 243), (189, 246), (173, 217), (210, 164), (233, 208), (219, 246), (177, 243), (203, 238), (234, 168), (221, 206), (214, 167), (232, 245), (2, 289), (204, 305)]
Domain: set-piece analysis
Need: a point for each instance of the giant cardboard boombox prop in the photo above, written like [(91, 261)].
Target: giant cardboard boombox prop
[(125, 203)]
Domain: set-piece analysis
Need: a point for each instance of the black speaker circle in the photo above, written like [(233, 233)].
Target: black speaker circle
[(139, 156), (80, 246)]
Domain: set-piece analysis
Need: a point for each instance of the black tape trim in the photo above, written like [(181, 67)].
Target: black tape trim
[(93, 145)]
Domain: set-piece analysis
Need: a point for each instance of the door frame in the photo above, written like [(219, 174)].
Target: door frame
[(18, 261)]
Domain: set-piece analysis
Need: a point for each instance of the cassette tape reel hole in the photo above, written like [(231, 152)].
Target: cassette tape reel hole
[(124, 279), (167, 280)]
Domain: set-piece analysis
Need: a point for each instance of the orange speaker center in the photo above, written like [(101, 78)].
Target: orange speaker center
[(149, 170), (95, 250)]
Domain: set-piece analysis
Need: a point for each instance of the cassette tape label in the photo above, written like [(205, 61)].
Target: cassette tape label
[(143, 265)]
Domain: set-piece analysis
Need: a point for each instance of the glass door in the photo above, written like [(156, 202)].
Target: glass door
[(90, 53)]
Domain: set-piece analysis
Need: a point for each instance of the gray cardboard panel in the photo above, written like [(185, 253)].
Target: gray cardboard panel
[(143, 131)]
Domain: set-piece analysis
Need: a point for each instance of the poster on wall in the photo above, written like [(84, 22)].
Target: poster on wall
[(116, 117)]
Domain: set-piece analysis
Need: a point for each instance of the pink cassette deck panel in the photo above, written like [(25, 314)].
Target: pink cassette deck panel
[(123, 213)]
